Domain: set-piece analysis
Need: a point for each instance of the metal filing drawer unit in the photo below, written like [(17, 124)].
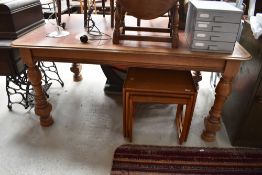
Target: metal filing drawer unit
[(212, 26)]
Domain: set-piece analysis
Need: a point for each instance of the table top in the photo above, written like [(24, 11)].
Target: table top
[(74, 24), (131, 53)]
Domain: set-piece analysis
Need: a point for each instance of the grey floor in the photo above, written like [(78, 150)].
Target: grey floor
[(88, 128)]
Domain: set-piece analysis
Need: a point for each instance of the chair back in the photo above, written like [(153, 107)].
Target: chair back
[(147, 9)]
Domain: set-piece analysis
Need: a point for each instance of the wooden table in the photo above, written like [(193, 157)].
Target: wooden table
[(35, 46)]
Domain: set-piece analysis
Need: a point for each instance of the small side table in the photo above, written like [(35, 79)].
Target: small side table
[(159, 86)]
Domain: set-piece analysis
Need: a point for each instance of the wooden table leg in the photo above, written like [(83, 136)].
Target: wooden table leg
[(76, 69), (42, 107), (213, 120)]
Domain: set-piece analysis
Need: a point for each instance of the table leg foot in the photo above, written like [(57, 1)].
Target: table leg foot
[(78, 78), (76, 69), (47, 121), (209, 134)]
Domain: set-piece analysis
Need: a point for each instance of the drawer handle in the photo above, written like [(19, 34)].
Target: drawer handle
[(204, 15), (214, 38), (212, 47), (258, 99), (218, 18), (198, 44), (201, 25), (216, 28), (201, 35)]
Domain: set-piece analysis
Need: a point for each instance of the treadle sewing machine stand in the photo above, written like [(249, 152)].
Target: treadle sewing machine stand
[(18, 85)]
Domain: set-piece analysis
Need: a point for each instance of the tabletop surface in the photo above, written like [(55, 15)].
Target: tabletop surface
[(38, 39)]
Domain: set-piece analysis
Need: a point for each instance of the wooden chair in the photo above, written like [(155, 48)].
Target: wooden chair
[(85, 7), (159, 86), (112, 13), (89, 2), (141, 10)]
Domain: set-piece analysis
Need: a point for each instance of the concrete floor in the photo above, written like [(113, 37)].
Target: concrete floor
[(88, 128)]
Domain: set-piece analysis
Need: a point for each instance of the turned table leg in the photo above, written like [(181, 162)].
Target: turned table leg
[(42, 107), (213, 120), (76, 69)]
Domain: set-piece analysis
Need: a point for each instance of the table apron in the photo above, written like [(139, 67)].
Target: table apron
[(131, 59)]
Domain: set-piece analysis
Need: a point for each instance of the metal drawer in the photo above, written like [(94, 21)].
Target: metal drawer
[(218, 16), (217, 27), (212, 46), (215, 36)]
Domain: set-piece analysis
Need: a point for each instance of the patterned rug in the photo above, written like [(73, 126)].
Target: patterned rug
[(162, 160)]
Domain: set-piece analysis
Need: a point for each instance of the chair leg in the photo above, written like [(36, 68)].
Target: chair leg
[(179, 110), (103, 7), (192, 107), (186, 122), (174, 27), (138, 22), (125, 113), (130, 118), (68, 7), (116, 33), (112, 12), (179, 120)]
